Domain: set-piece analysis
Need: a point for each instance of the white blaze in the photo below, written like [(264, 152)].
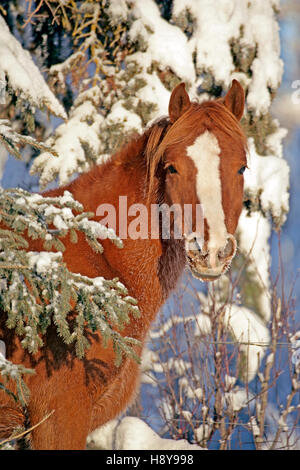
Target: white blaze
[(205, 153)]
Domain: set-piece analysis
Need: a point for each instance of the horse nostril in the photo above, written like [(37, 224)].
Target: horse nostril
[(229, 249), (194, 242), (194, 245)]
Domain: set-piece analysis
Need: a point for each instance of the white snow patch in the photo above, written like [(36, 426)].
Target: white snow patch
[(254, 231), (268, 176), (202, 432), (247, 328), (216, 26), (131, 434), (2, 349), (83, 127), (167, 44), (203, 325), (23, 75), (128, 119), (43, 261), (118, 10), (237, 399)]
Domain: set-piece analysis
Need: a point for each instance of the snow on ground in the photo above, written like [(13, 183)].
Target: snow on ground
[(132, 433)]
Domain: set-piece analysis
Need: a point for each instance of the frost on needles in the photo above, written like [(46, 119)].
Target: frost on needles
[(36, 288)]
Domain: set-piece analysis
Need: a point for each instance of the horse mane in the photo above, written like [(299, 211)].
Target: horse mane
[(148, 149)]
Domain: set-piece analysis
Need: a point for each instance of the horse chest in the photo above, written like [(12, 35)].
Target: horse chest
[(118, 394)]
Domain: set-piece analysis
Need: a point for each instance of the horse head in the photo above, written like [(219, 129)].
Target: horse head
[(204, 158)]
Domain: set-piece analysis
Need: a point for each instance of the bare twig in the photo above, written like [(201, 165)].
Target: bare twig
[(27, 431)]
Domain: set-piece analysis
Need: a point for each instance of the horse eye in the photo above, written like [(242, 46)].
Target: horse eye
[(241, 170), (171, 169)]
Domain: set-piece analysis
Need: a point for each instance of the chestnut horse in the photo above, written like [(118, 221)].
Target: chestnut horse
[(196, 155)]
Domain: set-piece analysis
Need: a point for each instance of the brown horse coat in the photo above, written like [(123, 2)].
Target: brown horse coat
[(153, 168)]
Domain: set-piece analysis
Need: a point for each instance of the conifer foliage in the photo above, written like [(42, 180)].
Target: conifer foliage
[(36, 288), (76, 78)]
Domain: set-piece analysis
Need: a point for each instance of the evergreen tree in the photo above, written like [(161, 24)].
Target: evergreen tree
[(106, 68)]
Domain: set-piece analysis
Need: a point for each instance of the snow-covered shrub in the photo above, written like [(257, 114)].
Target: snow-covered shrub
[(219, 378), (113, 64), (37, 288)]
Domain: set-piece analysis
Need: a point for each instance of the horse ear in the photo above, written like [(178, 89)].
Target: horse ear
[(235, 99), (179, 102)]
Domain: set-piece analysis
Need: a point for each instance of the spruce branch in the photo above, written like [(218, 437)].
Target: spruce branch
[(37, 289)]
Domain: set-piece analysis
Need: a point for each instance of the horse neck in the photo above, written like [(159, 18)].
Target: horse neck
[(119, 176), (143, 265)]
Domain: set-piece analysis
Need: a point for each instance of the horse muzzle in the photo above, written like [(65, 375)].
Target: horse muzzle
[(209, 265)]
